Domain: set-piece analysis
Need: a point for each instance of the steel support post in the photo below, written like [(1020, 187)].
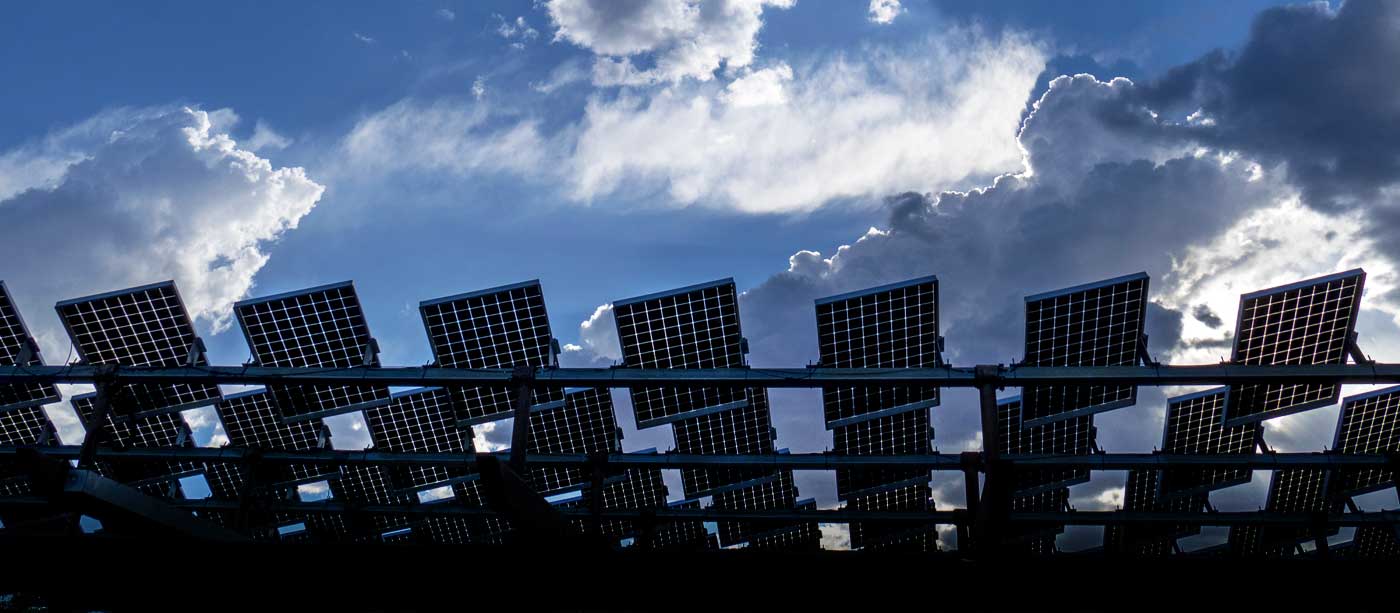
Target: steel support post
[(101, 409), (524, 378), (991, 507), (598, 464)]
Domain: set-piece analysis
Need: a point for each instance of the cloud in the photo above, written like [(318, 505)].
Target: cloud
[(445, 15), (793, 137), (265, 138), (161, 195), (479, 87), (449, 135), (599, 344), (364, 39), (884, 11), (686, 38), (518, 31)]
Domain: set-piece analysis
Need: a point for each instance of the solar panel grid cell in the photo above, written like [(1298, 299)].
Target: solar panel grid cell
[(689, 328), (1368, 423), (894, 327), (144, 326), (420, 421), (14, 337), (23, 426), (1071, 436), (1304, 323), (496, 328), (1099, 324), (1194, 425), (316, 328)]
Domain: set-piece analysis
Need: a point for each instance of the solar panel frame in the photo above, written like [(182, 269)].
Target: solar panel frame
[(14, 336), (1070, 436), (420, 420), (905, 321), (1202, 414), (1380, 411), (161, 335), (334, 312), (1242, 400), (458, 342), (1120, 346), (660, 331)]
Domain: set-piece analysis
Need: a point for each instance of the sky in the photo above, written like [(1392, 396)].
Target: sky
[(803, 148)]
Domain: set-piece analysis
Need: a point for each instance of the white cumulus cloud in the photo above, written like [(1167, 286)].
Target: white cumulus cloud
[(884, 11)]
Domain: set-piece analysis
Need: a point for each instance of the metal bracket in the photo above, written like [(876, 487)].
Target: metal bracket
[(1355, 352), (28, 351), (370, 353), (524, 378), (101, 410), (554, 351), (938, 348), (1142, 355), (1260, 442), (196, 355)]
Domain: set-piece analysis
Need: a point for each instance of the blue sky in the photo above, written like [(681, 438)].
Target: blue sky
[(612, 149)]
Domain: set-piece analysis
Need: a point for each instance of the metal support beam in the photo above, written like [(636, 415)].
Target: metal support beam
[(598, 463), (95, 433), (813, 377), (971, 462), (993, 504), (524, 377)]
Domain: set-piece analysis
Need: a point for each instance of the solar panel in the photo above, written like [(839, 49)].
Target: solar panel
[(907, 498), (142, 326), (420, 421), (745, 430), (1194, 425), (899, 434), (800, 536), (682, 535), (321, 327), (1098, 324), (773, 494), (14, 338), (21, 426), (638, 489), (691, 327), (1036, 535), (1296, 490), (1369, 423), (487, 529), (370, 485), (501, 327), (584, 423), (250, 421), (1308, 322), (892, 326), (1375, 543), (1070, 436), (1141, 494), (154, 430)]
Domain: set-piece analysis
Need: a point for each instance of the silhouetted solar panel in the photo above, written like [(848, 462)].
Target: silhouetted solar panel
[(1290, 491), (899, 434), (14, 338), (420, 421), (1035, 536), (773, 494), (155, 430), (1141, 494), (1098, 324), (1070, 436), (142, 326), (1308, 322), (1375, 543), (637, 489), (691, 327), (1194, 425), (907, 498), (501, 327), (892, 326), (799, 536), (370, 485), (250, 421), (745, 430), (320, 327), (487, 529), (22, 426), (682, 535), (1368, 423), (585, 423)]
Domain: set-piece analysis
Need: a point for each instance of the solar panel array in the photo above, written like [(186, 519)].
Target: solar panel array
[(1195, 425), (1099, 324), (1072, 436), (14, 338), (321, 327), (1368, 423), (152, 431), (143, 326), (1309, 322), (501, 327)]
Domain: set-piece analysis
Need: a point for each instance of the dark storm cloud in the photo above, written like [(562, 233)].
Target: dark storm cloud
[(1203, 314)]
